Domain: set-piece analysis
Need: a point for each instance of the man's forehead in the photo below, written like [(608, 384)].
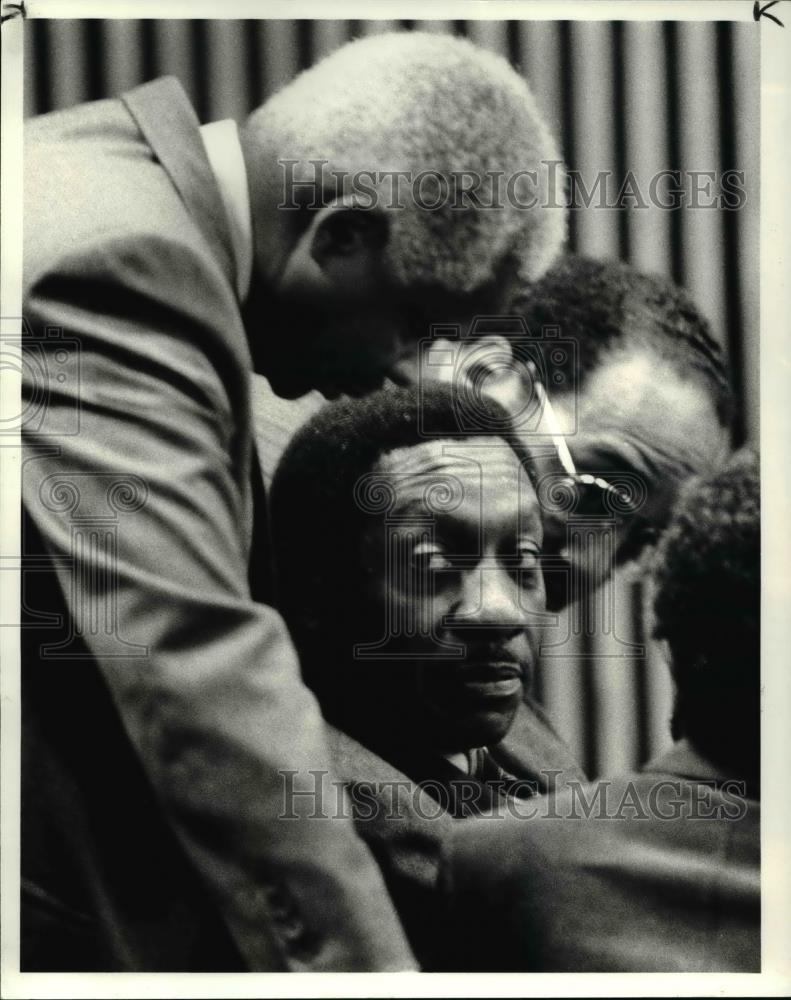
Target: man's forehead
[(487, 461), (636, 392)]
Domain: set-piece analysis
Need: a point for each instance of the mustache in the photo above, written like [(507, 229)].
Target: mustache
[(486, 658)]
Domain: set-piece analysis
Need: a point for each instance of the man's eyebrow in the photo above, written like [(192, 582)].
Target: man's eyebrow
[(460, 523), (412, 505), (435, 515)]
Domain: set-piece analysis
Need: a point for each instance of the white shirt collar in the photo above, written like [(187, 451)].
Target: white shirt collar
[(224, 151)]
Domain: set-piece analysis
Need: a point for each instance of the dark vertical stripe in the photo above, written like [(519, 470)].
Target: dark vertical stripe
[(640, 664), (619, 133), (304, 43), (408, 25), (673, 143), (730, 229), (590, 705), (96, 84), (254, 71), (199, 49), (567, 117), (459, 28), (42, 78), (149, 43), (512, 41)]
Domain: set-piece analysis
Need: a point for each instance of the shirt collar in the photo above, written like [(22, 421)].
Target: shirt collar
[(469, 761), (224, 152)]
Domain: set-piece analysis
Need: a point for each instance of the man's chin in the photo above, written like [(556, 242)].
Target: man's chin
[(348, 384), (478, 728), (287, 385)]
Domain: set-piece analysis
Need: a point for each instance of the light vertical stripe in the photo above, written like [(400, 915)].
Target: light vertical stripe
[(328, 36), (592, 74), (68, 63), (645, 75), (226, 68), (277, 44), (698, 125), (122, 59), (492, 35), (30, 106), (378, 27), (539, 48), (435, 27), (562, 666), (613, 656), (174, 54)]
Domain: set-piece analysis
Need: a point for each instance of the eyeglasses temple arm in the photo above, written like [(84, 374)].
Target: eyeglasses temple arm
[(556, 434)]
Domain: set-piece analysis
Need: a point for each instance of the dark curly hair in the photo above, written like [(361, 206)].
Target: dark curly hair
[(707, 607), (317, 524), (601, 304)]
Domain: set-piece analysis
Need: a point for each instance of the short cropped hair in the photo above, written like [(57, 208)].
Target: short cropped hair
[(317, 524), (707, 606), (413, 101), (602, 304)]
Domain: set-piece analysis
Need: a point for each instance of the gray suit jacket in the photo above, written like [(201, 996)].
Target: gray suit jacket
[(153, 684), (405, 812), (662, 875)]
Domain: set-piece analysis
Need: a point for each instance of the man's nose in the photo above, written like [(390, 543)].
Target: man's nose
[(488, 598)]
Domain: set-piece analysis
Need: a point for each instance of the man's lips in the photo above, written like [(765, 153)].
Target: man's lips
[(491, 678), (498, 677)]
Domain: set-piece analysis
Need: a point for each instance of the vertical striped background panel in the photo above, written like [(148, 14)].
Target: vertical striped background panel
[(640, 97)]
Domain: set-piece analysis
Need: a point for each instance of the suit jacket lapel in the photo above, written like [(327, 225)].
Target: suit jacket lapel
[(169, 124), (532, 749), (684, 760), (166, 119)]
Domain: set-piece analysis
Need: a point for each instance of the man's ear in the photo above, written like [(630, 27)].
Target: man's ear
[(340, 250)]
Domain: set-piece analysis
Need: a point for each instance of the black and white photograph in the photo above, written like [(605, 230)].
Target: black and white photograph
[(394, 566)]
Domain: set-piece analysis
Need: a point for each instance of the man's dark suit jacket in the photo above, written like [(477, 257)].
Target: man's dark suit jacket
[(160, 701), (405, 811), (650, 889)]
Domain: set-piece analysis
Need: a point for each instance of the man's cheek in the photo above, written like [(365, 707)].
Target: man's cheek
[(417, 617), (534, 633)]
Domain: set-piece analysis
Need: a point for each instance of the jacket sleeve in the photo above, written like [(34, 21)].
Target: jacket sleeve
[(142, 431)]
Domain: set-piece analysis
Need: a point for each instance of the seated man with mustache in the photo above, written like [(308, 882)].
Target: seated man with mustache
[(408, 552)]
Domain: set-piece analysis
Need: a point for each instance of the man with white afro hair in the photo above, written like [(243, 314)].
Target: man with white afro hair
[(184, 258), (435, 104)]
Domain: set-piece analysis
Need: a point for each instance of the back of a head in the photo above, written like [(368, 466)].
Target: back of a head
[(604, 304), (318, 517), (708, 610), (437, 105)]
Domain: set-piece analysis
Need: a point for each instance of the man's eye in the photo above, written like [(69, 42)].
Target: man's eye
[(430, 558)]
